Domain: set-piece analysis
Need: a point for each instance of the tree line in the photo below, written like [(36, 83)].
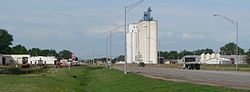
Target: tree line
[(227, 49), (6, 40)]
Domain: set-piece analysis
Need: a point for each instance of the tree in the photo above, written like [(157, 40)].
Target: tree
[(230, 49), (185, 52), (200, 51), (173, 55), (35, 52), (5, 40), (54, 53), (163, 54), (45, 52), (19, 49), (65, 54), (119, 58)]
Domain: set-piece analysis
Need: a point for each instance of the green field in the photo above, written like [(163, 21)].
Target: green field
[(84, 79), (230, 67)]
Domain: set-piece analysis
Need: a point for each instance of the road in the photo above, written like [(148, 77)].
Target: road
[(232, 79)]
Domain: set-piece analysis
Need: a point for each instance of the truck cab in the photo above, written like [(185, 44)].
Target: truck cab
[(191, 63)]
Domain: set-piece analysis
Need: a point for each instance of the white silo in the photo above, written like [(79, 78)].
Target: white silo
[(212, 56), (142, 39), (131, 43), (207, 56), (203, 58), (218, 55)]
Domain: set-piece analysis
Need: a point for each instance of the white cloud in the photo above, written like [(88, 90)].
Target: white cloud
[(187, 36)]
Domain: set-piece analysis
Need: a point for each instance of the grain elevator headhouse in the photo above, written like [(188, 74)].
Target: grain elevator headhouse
[(142, 40)]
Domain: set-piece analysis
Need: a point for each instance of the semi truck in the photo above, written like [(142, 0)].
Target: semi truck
[(191, 63)]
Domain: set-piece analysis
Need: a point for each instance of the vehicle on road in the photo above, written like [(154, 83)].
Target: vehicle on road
[(191, 63)]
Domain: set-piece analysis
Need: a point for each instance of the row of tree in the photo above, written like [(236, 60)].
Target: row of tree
[(178, 55), (6, 40), (227, 49)]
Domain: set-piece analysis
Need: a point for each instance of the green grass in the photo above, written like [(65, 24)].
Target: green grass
[(84, 79), (230, 67), (55, 80), (104, 80)]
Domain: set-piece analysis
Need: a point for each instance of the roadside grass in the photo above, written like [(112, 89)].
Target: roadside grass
[(229, 67), (86, 79), (18, 71), (55, 80), (105, 80)]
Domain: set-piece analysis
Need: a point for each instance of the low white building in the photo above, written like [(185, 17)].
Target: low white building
[(42, 60), (13, 59), (6, 59), (218, 59), (222, 59)]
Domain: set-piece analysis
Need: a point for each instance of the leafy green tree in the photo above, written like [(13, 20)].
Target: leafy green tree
[(163, 54), (200, 51), (5, 41), (119, 58), (46, 52), (35, 52), (230, 49), (185, 52), (19, 49), (65, 54), (173, 55), (54, 53)]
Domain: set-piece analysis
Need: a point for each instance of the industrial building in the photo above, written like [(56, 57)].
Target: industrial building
[(8, 59), (217, 58), (42, 60), (141, 39)]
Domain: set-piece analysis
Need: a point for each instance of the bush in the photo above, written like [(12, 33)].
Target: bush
[(11, 71), (17, 71)]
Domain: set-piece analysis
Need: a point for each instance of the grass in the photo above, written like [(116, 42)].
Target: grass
[(230, 67), (84, 79), (104, 80), (55, 80), (17, 71)]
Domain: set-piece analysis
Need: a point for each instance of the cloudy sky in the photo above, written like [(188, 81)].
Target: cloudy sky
[(77, 24)]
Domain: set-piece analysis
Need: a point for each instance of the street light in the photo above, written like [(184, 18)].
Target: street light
[(127, 9), (111, 34), (236, 24), (93, 51), (106, 59)]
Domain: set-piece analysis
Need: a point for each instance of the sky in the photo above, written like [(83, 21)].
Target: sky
[(78, 24)]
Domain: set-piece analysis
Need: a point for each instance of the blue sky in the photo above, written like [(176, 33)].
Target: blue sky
[(76, 24)]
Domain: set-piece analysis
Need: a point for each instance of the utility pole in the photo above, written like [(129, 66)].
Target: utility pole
[(93, 55), (236, 24), (125, 32), (106, 52), (110, 53), (127, 9)]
